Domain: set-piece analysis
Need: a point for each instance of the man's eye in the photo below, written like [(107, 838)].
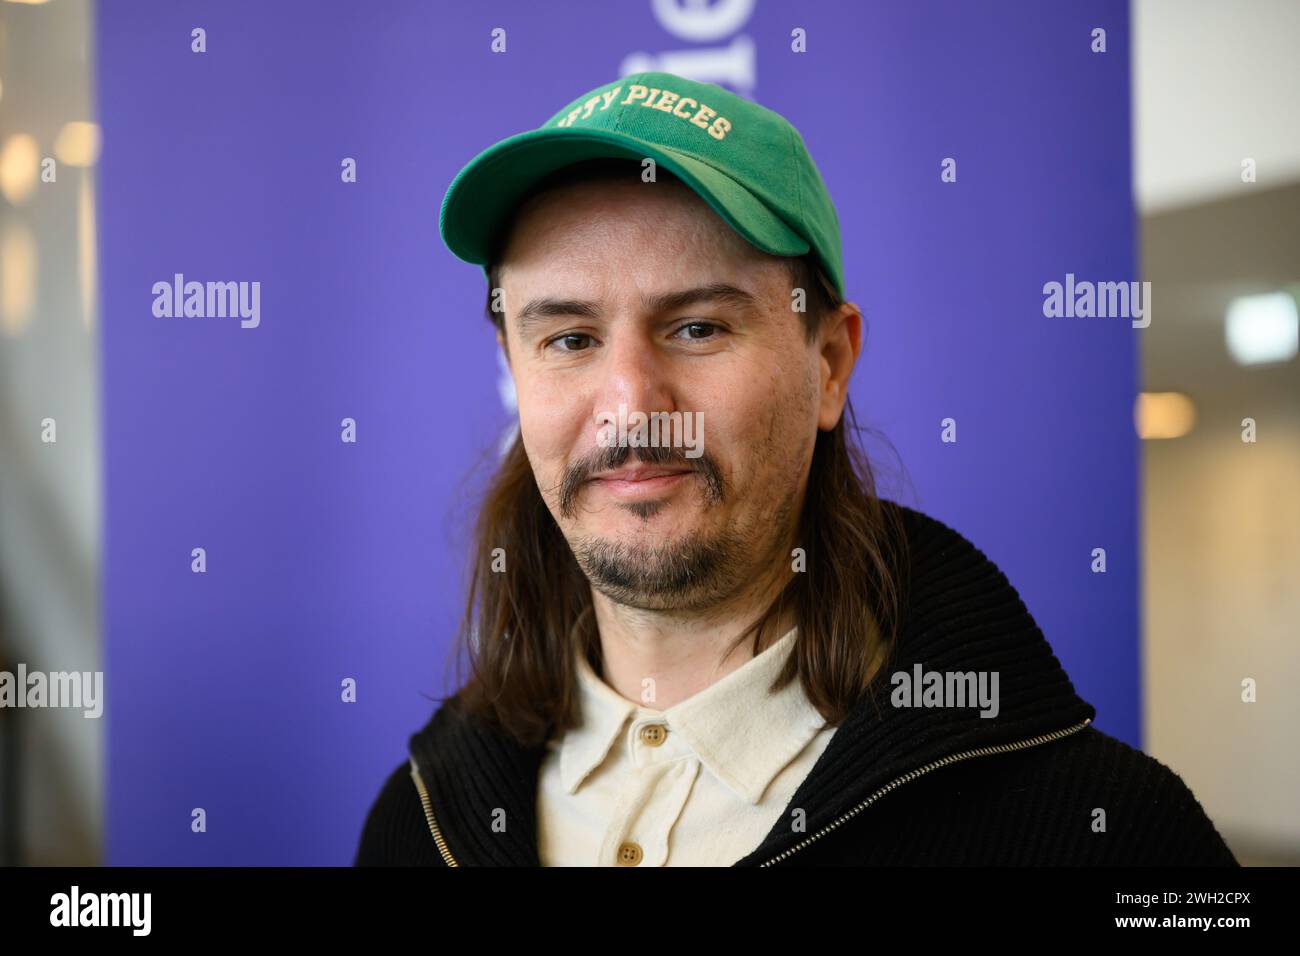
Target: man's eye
[(568, 340), (706, 330)]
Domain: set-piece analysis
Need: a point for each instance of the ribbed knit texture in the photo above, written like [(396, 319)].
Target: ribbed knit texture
[(1036, 805)]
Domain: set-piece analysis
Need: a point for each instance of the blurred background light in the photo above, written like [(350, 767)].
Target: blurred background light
[(19, 161), (77, 144), (1262, 328), (17, 278), (1164, 414)]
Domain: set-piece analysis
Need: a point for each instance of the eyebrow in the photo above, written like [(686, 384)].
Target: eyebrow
[(538, 310)]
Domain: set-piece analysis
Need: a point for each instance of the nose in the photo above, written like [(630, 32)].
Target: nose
[(632, 375)]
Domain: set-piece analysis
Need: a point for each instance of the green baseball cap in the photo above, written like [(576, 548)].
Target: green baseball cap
[(747, 162)]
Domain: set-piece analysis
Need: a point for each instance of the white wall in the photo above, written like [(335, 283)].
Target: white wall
[(1213, 81)]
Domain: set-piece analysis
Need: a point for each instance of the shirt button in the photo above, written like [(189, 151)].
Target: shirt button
[(653, 735), (629, 854)]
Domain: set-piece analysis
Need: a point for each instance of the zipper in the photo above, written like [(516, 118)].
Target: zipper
[(893, 784), (912, 775), (428, 815)]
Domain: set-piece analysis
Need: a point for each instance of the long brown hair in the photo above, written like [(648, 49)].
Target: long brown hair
[(523, 622)]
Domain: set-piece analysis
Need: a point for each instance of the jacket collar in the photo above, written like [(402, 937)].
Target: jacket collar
[(742, 734), (962, 614)]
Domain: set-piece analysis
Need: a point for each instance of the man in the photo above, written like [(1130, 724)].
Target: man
[(720, 647)]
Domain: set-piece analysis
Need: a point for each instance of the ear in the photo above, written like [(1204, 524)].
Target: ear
[(840, 343)]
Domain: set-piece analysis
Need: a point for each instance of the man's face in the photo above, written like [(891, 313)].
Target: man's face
[(624, 293)]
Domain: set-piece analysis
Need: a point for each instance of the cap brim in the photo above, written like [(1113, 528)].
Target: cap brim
[(483, 194)]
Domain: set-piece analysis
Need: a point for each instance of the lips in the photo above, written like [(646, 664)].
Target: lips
[(639, 484), (639, 474)]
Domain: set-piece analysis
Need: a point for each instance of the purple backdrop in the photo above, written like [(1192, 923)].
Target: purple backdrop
[(329, 560)]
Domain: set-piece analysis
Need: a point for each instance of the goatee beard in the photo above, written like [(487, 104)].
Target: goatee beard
[(688, 574)]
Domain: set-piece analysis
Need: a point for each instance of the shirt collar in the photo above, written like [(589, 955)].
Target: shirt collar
[(740, 732)]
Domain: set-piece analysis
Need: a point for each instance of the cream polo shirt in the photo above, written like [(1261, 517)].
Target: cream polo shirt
[(699, 784)]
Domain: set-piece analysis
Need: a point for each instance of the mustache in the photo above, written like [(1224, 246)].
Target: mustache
[(615, 456)]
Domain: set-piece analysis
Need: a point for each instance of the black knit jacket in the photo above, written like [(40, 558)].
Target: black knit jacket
[(895, 785)]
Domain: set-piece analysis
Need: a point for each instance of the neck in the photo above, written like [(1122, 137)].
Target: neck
[(684, 653)]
